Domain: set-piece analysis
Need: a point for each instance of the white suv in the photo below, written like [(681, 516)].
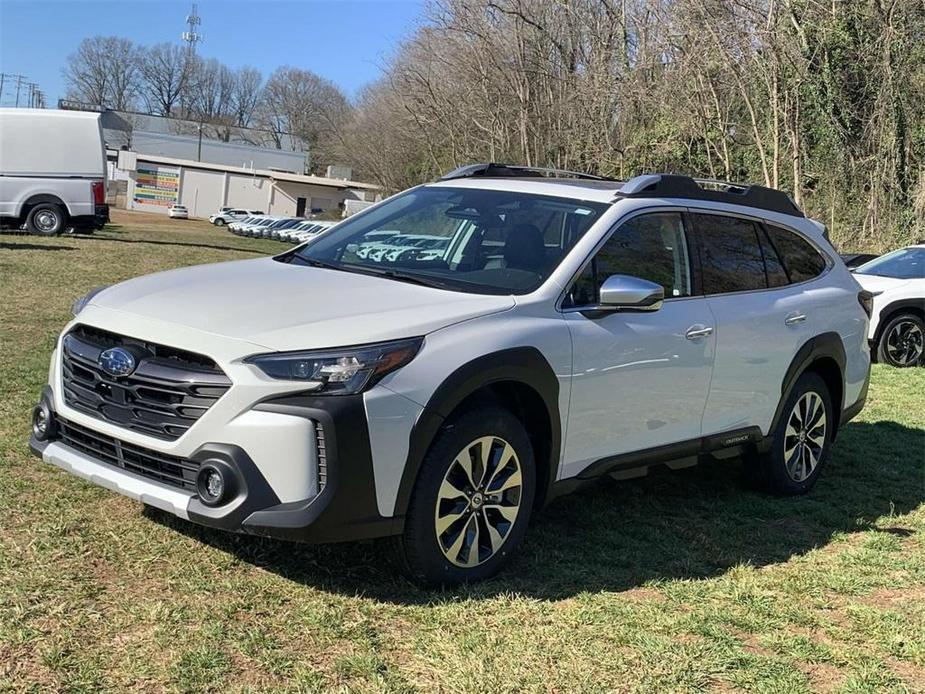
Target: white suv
[(566, 328)]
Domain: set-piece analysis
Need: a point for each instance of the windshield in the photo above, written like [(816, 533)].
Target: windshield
[(479, 241), (904, 264)]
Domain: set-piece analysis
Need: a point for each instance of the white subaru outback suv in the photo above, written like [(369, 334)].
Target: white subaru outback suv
[(567, 328)]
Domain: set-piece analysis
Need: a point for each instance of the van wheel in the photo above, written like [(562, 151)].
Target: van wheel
[(46, 219), (472, 499), (801, 441), (902, 342)]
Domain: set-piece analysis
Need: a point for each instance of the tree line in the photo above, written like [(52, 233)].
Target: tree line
[(823, 98), (167, 80)]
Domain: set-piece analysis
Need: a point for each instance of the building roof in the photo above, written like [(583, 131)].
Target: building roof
[(263, 173)]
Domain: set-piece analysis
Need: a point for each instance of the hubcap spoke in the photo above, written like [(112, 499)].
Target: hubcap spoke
[(509, 513)]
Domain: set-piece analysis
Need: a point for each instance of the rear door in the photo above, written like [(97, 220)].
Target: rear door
[(762, 319), (639, 379)]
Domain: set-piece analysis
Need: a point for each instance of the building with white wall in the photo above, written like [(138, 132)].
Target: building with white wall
[(154, 183)]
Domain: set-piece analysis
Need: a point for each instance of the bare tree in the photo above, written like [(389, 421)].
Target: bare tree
[(166, 73), (302, 103), (245, 95), (103, 70)]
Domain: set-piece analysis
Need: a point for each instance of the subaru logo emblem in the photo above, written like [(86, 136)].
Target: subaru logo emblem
[(117, 361)]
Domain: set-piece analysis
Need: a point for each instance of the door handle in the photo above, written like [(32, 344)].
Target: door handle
[(795, 318), (695, 332)]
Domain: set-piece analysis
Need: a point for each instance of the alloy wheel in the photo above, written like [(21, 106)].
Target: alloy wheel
[(804, 438), (905, 343), (478, 501)]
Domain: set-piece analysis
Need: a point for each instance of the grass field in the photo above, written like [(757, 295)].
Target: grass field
[(675, 582)]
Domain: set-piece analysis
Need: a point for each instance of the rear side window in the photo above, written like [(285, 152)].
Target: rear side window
[(777, 275), (730, 254), (802, 261)]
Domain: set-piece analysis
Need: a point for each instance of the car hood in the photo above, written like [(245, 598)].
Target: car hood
[(876, 284), (286, 307)]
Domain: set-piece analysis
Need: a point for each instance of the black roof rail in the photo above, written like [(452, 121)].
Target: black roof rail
[(675, 186), (490, 170)]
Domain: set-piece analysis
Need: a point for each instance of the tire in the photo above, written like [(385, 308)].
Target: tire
[(46, 219), (902, 341), (219, 222), (794, 461), (469, 517)]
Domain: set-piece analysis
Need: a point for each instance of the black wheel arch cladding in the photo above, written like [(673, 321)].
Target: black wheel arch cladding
[(523, 367), (825, 354)]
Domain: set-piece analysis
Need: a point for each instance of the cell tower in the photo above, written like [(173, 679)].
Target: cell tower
[(191, 36)]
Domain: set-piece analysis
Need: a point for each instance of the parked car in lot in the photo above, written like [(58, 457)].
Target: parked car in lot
[(565, 328), (52, 171), (897, 327), (178, 212), (226, 216)]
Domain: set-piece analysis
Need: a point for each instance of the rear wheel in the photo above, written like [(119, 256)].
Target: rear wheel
[(902, 341), (472, 500), (801, 441), (46, 219)]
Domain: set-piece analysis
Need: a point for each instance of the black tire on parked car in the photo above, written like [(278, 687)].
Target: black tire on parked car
[(219, 222), (46, 219), (801, 440), (472, 500), (902, 341)]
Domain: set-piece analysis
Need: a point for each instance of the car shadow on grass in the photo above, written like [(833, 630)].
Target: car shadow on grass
[(33, 247), (690, 524), (178, 244)]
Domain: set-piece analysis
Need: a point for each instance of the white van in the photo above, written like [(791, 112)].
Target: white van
[(52, 170)]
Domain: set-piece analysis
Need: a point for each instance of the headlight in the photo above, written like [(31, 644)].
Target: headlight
[(339, 371), (81, 303)]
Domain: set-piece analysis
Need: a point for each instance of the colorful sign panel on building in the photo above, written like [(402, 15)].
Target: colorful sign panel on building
[(155, 185)]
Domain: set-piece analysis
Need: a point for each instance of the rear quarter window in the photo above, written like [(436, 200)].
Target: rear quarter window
[(801, 260)]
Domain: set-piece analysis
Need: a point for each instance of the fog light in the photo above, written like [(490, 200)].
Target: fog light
[(211, 485), (43, 424)]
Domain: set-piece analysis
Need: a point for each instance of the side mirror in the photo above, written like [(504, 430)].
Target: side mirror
[(623, 292)]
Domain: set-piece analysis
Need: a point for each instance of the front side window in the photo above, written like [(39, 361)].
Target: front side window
[(730, 254), (479, 241), (651, 247), (802, 261), (904, 264)]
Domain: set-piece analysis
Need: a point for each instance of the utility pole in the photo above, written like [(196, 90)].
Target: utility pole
[(19, 79)]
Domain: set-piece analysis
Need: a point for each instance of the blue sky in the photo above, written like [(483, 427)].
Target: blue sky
[(346, 41)]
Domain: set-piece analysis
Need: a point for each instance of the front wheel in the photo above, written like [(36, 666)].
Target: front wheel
[(219, 222), (46, 219), (902, 342), (801, 440), (472, 500)]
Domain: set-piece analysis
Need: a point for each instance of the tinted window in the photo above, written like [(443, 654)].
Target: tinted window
[(802, 261), (730, 254), (777, 276), (652, 247)]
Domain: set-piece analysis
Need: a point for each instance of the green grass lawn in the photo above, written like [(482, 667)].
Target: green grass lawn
[(675, 582)]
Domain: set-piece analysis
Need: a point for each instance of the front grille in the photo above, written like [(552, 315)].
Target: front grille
[(169, 469), (163, 397)]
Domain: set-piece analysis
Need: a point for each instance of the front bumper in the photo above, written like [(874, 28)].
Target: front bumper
[(344, 507)]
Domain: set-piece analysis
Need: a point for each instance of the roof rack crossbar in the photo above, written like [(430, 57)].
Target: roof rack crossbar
[(675, 186), (492, 170)]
